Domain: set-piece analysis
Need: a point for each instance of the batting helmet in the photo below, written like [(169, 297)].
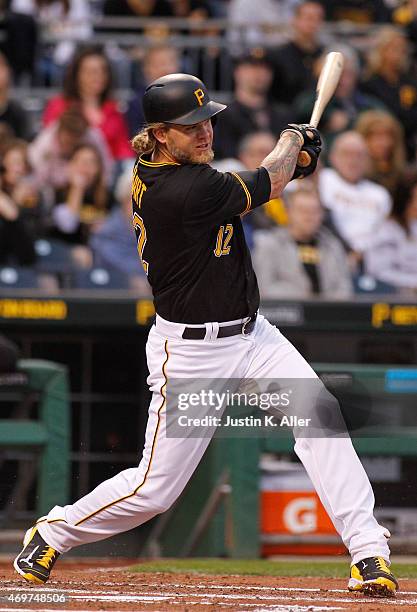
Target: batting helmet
[(178, 98)]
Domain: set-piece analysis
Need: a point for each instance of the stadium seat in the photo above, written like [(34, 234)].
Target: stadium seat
[(53, 256), (365, 284), (99, 278), (20, 278)]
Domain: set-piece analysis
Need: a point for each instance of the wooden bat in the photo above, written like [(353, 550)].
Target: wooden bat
[(326, 86)]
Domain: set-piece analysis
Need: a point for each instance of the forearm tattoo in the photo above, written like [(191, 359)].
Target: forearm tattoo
[(281, 162)]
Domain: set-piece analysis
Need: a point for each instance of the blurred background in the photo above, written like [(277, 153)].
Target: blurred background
[(335, 257)]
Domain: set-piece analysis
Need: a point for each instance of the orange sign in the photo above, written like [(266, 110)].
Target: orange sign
[(294, 512), (297, 513)]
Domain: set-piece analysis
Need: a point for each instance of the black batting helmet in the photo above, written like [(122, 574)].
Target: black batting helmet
[(178, 98)]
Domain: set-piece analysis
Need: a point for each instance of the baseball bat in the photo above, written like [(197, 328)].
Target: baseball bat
[(326, 86)]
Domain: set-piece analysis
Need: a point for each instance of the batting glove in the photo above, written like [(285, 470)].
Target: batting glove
[(306, 162), (309, 134)]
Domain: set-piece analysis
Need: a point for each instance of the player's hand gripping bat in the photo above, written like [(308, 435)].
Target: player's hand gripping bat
[(326, 86)]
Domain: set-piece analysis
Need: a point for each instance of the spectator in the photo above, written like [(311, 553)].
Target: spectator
[(357, 11), (20, 211), (253, 23), (52, 149), (138, 8), (392, 257), (11, 112), (21, 40), (388, 80), (194, 9), (155, 30), (356, 205), (82, 204), (250, 110), (87, 86), (293, 62), (303, 259), (71, 22), (406, 17), (252, 150), (384, 138), (114, 244), (16, 174), (347, 102), (211, 62), (157, 62), (67, 20)]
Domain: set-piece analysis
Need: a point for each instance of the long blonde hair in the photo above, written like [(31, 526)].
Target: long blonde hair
[(385, 37), (145, 141), (370, 120)]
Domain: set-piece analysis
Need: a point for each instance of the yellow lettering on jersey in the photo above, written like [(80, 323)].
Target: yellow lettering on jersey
[(142, 191), (139, 226), (222, 243), (199, 94), (138, 189)]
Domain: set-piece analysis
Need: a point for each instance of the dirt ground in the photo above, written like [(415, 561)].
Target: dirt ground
[(102, 586)]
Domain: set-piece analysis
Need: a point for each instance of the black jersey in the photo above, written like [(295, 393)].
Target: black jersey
[(191, 241)]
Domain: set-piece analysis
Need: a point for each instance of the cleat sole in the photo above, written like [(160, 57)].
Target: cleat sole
[(377, 590), (383, 588)]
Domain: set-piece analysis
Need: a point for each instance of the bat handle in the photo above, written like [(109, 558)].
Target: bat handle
[(314, 120)]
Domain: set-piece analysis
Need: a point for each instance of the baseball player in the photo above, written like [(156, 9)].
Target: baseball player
[(187, 218)]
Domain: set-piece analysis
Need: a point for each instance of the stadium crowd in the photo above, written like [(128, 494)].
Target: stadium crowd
[(65, 209)]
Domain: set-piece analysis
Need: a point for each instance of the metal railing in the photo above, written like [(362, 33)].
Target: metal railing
[(206, 48)]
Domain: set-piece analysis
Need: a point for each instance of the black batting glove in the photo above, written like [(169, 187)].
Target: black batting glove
[(309, 134), (310, 149), (307, 161)]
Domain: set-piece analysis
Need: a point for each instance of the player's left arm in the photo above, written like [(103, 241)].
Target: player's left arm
[(294, 156), (281, 162)]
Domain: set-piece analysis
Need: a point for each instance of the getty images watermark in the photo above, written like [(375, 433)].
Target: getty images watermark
[(250, 408)]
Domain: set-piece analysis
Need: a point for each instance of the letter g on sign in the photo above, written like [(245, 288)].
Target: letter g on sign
[(300, 515)]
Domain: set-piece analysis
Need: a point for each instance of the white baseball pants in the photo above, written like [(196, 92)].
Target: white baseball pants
[(135, 495)]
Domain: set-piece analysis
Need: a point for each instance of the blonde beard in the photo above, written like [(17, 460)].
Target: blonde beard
[(205, 157)]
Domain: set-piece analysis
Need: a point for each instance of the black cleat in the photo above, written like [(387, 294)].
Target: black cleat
[(36, 559), (373, 577)]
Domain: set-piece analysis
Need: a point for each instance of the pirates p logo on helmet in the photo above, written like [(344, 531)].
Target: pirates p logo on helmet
[(199, 94)]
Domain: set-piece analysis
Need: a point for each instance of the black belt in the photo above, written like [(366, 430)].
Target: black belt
[(199, 333)]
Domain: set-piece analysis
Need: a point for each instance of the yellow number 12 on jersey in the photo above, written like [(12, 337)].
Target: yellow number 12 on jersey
[(224, 236)]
